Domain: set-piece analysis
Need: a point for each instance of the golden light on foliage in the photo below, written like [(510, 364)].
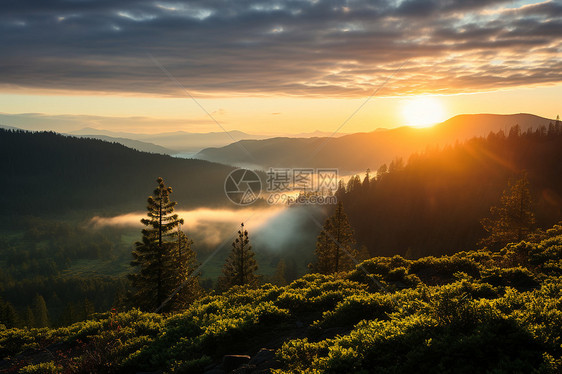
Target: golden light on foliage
[(423, 111)]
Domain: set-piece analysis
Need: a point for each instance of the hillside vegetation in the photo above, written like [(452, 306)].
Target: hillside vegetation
[(49, 174), (433, 203), (476, 311)]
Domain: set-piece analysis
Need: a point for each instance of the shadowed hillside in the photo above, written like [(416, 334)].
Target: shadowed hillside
[(433, 204), (360, 151), (48, 173)]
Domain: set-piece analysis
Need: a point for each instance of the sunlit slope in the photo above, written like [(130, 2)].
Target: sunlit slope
[(357, 152), (473, 312)]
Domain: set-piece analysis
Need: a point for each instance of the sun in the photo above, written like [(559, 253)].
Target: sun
[(423, 111)]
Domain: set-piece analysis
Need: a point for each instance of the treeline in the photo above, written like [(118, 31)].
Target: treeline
[(35, 256), (41, 247), (46, 173), (433, 204), (55, 301)]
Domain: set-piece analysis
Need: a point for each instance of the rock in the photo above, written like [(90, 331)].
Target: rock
[(231, 362), (264, 356), (215, 370), (244, 369)]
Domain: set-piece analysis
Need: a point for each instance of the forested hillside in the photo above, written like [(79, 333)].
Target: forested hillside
[(473, 312), (483, 308), (432, 203), (48, 173)]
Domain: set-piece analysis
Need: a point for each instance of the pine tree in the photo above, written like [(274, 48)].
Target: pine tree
[(367, 181), (335, 247), (68, 316), (280, 277), (240, 266), (513, 219), (325, 249), (29, 318), (88, 308), (184, 259), (161, 260), (40, 312), (10, 317)]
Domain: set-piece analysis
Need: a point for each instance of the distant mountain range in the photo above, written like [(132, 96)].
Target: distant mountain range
[(131, 143), (180, 142), (350, 153), (169, 142), (359, 151)]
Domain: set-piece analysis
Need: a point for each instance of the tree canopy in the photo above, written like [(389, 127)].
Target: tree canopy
[(163, 260), (513, 219), (335, 247), (240, 266)]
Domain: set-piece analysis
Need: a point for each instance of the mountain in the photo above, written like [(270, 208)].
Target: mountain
[(359, 151), (115, 138), (317, 134), (130, 143), (174, 142), (49, 173), (8, 127)]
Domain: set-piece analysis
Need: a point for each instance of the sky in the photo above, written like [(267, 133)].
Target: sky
[(273, 66)]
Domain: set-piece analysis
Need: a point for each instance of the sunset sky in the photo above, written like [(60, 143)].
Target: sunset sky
[(272, 66)]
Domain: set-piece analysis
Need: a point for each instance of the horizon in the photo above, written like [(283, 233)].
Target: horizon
[(261, 66), (77, 130)]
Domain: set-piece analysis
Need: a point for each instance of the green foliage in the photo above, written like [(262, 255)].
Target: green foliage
[(240, 266), (41, 316), (335, 246), (42, 368), (57, 174), (465, 313), (163, 261), (512, 220), (433, 204), (39, 256)]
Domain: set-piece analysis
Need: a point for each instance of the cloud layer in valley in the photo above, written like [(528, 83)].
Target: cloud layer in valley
[(272, 228), (295, 47)]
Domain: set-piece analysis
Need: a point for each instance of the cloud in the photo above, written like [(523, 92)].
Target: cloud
[(209, 226), (275, 228), (292, 47)]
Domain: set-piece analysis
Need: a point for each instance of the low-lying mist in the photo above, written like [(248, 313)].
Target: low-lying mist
[(278, 230)]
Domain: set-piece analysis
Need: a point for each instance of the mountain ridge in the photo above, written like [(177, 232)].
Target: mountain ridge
[(379, 146)]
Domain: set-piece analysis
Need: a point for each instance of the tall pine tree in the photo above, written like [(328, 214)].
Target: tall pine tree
[(513, 219), (40, 312), (335, 247), (184, 259), (240, 266), (162, 262)]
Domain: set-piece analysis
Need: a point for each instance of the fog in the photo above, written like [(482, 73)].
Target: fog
[(274, 228)]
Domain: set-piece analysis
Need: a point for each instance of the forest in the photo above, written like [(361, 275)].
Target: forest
[(51, 174), (424, 257), (432, 203), (475, 311)]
